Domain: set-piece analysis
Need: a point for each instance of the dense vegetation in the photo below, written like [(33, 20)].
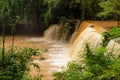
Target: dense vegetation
[(30, 13), (110, 9), (82, 9), (111, 34), (74, 9), (53, 10), (17, 64), (97, 64)]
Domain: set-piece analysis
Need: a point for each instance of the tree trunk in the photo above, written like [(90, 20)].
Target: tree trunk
[(13, 37), (13, 42), (3, 44)]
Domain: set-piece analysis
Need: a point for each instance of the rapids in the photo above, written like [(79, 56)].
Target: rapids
[(56, 58)]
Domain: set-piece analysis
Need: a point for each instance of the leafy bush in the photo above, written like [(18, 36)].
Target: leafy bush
[(97, 65), (111, 34), (16, 64)]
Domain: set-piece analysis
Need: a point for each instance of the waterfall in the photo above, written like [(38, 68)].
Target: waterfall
[(82, 27), (85, 33), (114, 46), (91, 34), (52, 32), (57, 33), (88, 35), (78, 30)]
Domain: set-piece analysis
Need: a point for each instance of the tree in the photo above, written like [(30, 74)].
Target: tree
[(111, 9), (72, 9), (4, 15), (10, 11), (13, 11), (89, 8)]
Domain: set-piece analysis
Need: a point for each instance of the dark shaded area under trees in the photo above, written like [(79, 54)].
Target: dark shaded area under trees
[(36, 15)]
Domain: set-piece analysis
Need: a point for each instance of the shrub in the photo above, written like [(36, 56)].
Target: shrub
[(16, 64), (97, 65), (111, 34)]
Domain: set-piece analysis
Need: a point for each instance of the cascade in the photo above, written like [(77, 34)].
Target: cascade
[(57, 33), (91, 34), (82, 27), (78, 30), (88, 35), (114, 46), (84, 33), (52, 32)]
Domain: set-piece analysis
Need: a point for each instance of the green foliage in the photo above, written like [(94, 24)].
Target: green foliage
[(26, 9), (66, 28), (110, 9), (72, 9), (73, 73), (97, 65), (51, 11), (111, 34), (47, 16), (16, 65)]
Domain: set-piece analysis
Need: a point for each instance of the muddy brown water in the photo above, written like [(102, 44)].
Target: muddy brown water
[(55, 59)]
